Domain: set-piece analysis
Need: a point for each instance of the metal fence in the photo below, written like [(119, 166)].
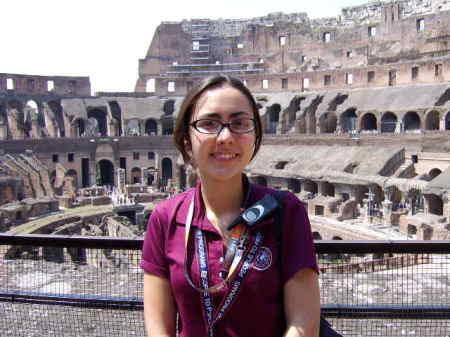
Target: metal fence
[(91, 286)]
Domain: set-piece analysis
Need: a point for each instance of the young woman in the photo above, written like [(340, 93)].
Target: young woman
[(240, 282)]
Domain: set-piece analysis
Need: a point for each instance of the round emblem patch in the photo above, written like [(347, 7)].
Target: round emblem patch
[(263, 259)]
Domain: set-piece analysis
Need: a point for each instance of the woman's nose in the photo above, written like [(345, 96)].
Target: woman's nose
[(225, 134)]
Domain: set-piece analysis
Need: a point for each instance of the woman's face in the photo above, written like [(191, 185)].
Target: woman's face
[(221, 157)]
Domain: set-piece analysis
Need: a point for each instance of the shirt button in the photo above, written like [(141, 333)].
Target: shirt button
[(221, 259)]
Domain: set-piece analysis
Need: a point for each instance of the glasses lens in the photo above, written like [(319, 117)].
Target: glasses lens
[(242, 125), (208, 126)]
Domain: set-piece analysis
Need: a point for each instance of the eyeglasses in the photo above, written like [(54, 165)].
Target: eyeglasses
[(214, 126)]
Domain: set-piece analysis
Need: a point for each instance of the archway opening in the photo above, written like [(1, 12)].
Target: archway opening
[(434, 173), (273, 118), (348, 120), (447, 121), (166, 170), (133, 128), (167, 126), (432, 120), (105, 173), (328, 122), (411, 121), (136, 175), (151, 127), (294, 185), (369, 122), (79, 127), (260, 180), (99, 114), (388, 123), (116, 114), (328, 189), (310, 186), (435, 205), (169, 108)]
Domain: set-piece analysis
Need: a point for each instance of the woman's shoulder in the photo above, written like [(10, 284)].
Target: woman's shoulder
[(289, 198)]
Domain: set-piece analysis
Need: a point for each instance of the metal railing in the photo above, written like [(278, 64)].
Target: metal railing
[(91, 286)]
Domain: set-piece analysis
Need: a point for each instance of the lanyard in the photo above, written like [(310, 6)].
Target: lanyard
[(212, 317)]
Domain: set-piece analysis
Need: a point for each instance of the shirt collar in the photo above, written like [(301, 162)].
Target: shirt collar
[(200, 220)]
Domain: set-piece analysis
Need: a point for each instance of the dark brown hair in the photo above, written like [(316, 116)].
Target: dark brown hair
[(181, 133)]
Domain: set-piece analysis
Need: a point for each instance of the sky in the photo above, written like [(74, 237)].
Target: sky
[(104, 39)]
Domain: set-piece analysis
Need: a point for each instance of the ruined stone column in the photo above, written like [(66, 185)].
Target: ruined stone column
[(387, 212)]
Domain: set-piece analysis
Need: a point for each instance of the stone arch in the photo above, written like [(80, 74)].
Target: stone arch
[(294, 185), (167, 173), (116, 113), (151, 127), (348, 120), (99, 114), (328, 122), (78, 127), (57, 110), (136, 175), (388, 122), (294, 107), (105, 173), (434, 173), (169, 107), (411, 121), (368, 122), (273, 116), (432, 120), (447, 121)]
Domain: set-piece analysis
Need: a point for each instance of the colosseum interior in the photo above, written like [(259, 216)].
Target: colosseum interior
[(355, 109)]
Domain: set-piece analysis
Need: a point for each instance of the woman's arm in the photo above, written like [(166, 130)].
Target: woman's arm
[(302, 304), (159, 307)]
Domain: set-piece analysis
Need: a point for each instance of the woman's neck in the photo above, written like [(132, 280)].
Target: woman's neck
[(222, 201)]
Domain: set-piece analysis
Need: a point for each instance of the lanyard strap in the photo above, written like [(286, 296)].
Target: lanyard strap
[(229, 298), (238, 239), (235, 287)]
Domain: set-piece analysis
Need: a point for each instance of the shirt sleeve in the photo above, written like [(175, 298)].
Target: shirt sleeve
[(153, 253), (297, 247)]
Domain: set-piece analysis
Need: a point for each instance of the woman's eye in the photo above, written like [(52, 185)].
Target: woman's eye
[(208, 124)]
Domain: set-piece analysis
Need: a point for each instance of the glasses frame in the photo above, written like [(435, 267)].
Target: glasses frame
[(223, 126)]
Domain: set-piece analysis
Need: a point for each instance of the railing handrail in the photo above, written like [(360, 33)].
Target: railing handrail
[(322, 246)]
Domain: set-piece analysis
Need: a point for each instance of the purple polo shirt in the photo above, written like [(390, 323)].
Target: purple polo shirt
[(258, 309)]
